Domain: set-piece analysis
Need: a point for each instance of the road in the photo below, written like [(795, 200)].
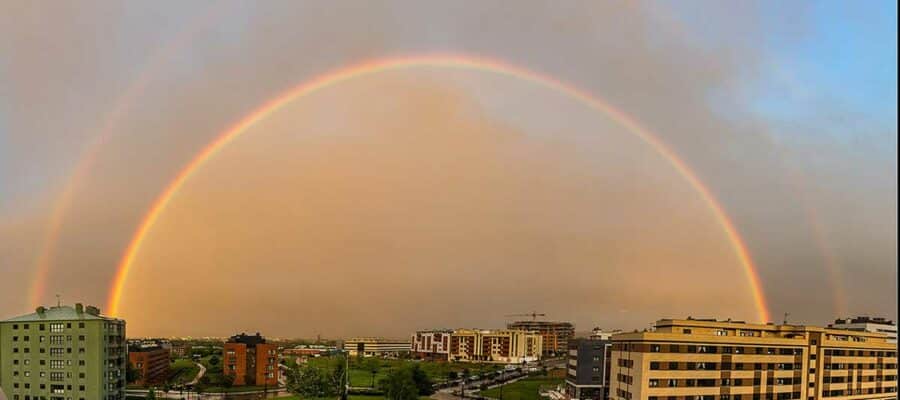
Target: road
[(199, 375)]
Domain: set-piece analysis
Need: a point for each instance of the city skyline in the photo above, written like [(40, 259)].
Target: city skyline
[(376, 169)]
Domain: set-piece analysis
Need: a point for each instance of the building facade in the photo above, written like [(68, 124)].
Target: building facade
[(500, 346), (587, 368), (431, 344), (151, 360), (250, 360), (63, 353), (555, 335), (868, 324), (717, 360), (369, 347)]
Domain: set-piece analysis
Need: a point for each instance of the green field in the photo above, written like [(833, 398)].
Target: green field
[(525, 389), (350, 397), (361, 376), (182, 371)]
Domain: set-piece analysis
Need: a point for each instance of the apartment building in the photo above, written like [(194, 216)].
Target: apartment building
[(587, 369), (63, 353), (431, 344), (868, 324), (368, 347), (250, 360), (555, 335), (151, 359), (716, 360), (500, 346)]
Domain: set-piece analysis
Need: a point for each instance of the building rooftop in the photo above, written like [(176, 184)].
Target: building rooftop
[(542, 323), (863, 320), (250, 341), (61, 313)]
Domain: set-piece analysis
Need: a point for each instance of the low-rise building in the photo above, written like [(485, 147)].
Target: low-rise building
[(372, 346), (714, 360), (311, 350), (555, 335), (431, 344), (868, 324), (587, 368), (500, 346), (151, 360), (250, 360)]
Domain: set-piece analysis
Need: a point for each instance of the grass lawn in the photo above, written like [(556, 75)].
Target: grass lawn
[(524, 389), (360, 376), (183, 371), (350, 397)]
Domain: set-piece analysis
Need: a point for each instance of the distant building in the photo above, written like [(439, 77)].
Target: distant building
[(556, 335), (250, 360), (313, 350), (431, 344), (868, 324), (368, 347), (151, 358), (587, 369), (63, 352), (500, 346), (713, 360), (180, 350)]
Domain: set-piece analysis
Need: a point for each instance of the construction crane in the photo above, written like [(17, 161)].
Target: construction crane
[(533, 315)]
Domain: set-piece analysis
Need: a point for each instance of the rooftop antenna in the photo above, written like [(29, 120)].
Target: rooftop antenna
[(784, 322)]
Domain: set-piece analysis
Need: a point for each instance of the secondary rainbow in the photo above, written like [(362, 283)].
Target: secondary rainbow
[(455, 61), (160, 57)]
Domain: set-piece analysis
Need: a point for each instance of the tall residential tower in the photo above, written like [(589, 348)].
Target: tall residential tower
[(63, 353)]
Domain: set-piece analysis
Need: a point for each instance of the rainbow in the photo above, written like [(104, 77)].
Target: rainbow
[(455, 61), (160, 57)]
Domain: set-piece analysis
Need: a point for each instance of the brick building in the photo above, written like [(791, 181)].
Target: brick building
[(152, 360), (250, 360)]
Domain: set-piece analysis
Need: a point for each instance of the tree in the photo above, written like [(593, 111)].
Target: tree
[(423, 383), (399, 385), (132, 374), (337, 373), (227, 380), (373, 365), (151, 394), (214, 360), (452, 375), (308, 381)]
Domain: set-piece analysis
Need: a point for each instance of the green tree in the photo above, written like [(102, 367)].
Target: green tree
[(214, 360), (338, 372), (372, 365), (132, 374), (227, 381), (399, 385), (424, 385), (308, 381), (151, 394)]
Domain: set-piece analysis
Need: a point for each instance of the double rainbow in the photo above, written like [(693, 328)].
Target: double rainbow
[(443, 61)]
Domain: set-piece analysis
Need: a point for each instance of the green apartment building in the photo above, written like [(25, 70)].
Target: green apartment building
[(63, 353)]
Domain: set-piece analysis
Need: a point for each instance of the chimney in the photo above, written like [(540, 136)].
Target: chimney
[(40, 310), (79, 308)]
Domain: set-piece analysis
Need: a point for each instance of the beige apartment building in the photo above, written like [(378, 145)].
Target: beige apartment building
[(729, 360), (500, 346)]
